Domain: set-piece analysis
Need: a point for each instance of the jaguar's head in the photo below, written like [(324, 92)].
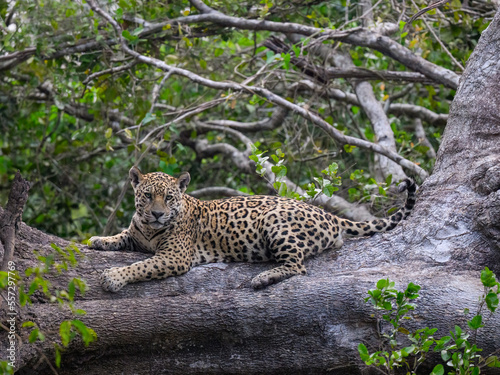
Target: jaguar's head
[(158, 196)]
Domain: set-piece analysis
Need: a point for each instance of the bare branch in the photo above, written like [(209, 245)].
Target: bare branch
[(109, 71), (326, 74), (378, 118), (270, 123), (425, 10), (423, 113), (420, 134)]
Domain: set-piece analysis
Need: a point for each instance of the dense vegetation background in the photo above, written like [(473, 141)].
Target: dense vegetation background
[(78, 110)]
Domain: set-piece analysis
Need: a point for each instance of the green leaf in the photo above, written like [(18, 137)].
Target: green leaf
[(349, 148), (128, 133), (382, 283), (408, 350), (65, 332), (131, 38), (388, 180), (33, 335), (445, 355), (280, 171), (488, 278), (109, 133), (438, 370), (363, 352), (71, 290), (23, 298), (329, 190), (286, 61), (387, 306), (491, 301), (58, 357), (148, 118), (270, 57), (88, 334), (492, 361), (476, 322), (404, 331)]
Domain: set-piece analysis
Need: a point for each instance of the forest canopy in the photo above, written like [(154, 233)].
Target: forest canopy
[(327, 101)]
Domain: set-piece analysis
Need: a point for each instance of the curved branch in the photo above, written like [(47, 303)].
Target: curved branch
[(413, 111), (270, 123)]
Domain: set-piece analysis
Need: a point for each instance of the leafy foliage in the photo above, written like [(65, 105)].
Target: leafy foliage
[(36, 281), (459, 350)]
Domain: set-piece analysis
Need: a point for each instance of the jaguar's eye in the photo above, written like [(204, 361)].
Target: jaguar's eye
[(168, 197), (148, 195)]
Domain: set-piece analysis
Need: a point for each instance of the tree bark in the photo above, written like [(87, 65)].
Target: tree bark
[(210, 321)]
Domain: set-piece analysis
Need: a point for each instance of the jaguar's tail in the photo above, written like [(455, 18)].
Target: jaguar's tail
[(369, 228)]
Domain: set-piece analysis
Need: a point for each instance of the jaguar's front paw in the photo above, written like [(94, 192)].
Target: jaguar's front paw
[(263, 280), (96, 243), (112, 279)]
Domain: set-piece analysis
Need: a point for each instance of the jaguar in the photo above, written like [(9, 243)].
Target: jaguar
[(183, 232)]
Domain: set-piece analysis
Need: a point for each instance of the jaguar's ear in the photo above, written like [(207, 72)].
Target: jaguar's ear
[(183, 181), (135, 176)]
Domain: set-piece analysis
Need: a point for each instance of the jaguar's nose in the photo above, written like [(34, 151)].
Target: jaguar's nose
[(157, 214)]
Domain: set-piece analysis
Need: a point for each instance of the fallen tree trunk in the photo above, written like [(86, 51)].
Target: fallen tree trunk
[(210, 321)]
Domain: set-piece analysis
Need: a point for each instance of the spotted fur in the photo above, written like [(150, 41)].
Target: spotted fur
[(184, 232)]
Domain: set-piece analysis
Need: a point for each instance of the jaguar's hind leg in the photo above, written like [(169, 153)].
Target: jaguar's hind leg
[(291, 267)]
